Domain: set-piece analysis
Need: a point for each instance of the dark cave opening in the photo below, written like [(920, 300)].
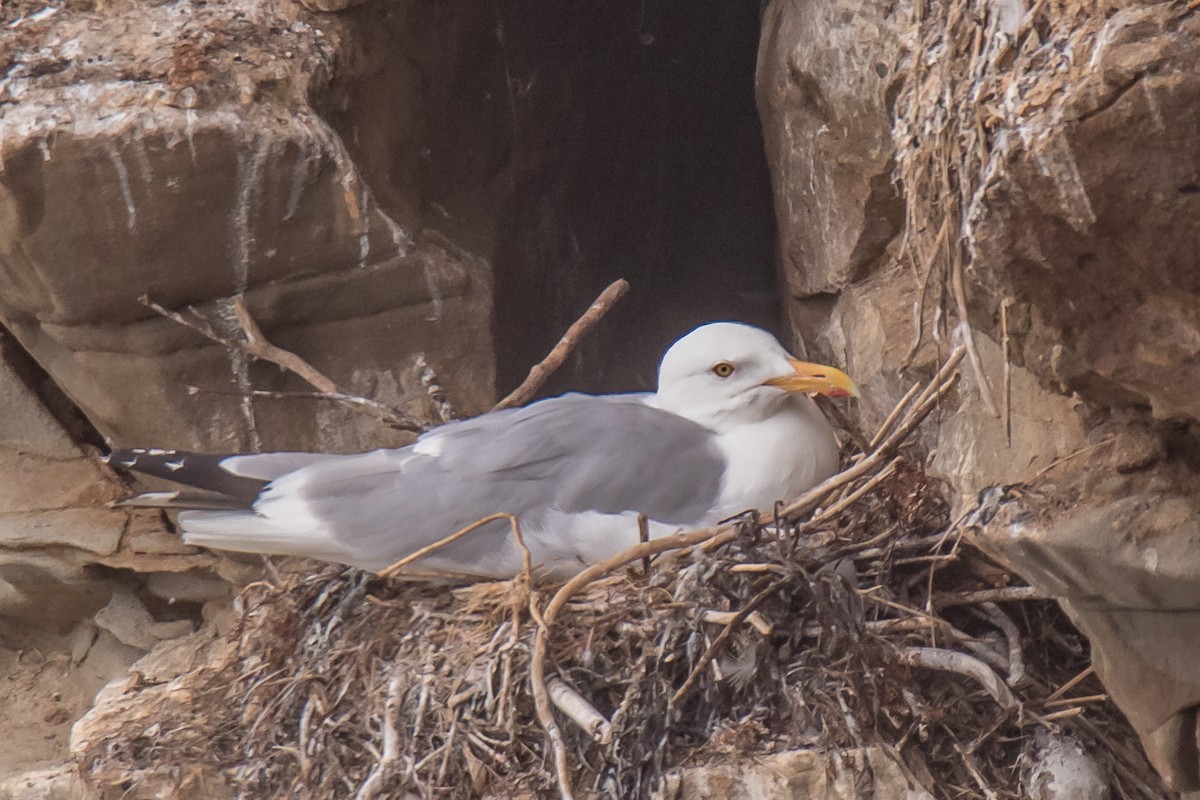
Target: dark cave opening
[(571, 144), (648, 164)]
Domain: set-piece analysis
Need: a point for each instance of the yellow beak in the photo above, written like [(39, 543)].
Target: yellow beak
[(815, 379)]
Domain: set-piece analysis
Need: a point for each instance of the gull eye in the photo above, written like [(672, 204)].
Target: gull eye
[(722, 369)]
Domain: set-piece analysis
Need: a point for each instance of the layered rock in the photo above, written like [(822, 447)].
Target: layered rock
[(173, 152), (1063, 222)]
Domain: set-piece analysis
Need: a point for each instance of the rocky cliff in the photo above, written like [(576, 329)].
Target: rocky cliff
[(1026, 184), (402, 183)]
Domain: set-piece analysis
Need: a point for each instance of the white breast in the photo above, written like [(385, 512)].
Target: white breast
[(777, 458)]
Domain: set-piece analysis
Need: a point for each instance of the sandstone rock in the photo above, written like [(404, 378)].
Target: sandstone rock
[(211, 176), (1084, 230), (825, 72), (809, 774), (49, 590), (1127, 573), (128, 620), (96, 530), (48, 783), (115, 704), (328, 6), (194, 587)]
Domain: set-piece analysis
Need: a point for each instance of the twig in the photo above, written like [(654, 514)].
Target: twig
[(374, 783), (1016, 657), (1001, 595), (1004, 347), (833, 410), (547, 366), (399, 566), (1069, 685), (643, 537), (973, 769), (1066, 701), (755, 619), (711, 651), (254, 344), (952, 661), (1066, 713), (1069, 456), (886, 427), (852, 498), (942, 383), (579, 710)]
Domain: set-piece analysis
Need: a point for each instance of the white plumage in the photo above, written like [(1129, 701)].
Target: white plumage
[(730, 428)]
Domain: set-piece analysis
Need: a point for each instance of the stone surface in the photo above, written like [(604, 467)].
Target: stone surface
[(793, 775), (126, 618), (824, 77), (156, 675), (213, 175), (1083, 228), (1127, 572), (49, 783)]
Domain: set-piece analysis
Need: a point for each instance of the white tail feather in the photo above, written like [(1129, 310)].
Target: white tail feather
[(247, 532)]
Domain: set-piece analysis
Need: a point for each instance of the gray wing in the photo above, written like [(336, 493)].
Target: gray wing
[(573, 453)]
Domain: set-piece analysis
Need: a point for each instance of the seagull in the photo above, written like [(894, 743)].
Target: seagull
[(731, 427)]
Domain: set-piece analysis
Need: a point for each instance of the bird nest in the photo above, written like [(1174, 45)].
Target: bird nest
[(860, 618)]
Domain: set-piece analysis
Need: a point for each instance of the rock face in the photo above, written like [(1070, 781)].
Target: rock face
[(376, 182), (1067, 231), (182, 160), (809, 774), (173, 151)]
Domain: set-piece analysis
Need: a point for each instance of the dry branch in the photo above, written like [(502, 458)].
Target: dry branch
[(251, 342), (555, 358), (953, 661), (579, 710)]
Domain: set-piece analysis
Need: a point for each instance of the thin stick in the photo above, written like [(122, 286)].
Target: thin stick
[(1069, 457), (754, 618), (1071, 684), (1016, 656), (952, 661), (1004, 345), (440, 543), (852, 498), (711, 652), (255, 345), (1004, 594), (1066, 701), (547, 366), (373, 785), (886, 427), (834, 412), (928, 400), (643, 537), (579, 710)]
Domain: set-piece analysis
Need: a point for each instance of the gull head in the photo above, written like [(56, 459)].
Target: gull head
[(726, 374)]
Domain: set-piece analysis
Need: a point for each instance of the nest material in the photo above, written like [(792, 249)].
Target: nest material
[(870, 624)]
